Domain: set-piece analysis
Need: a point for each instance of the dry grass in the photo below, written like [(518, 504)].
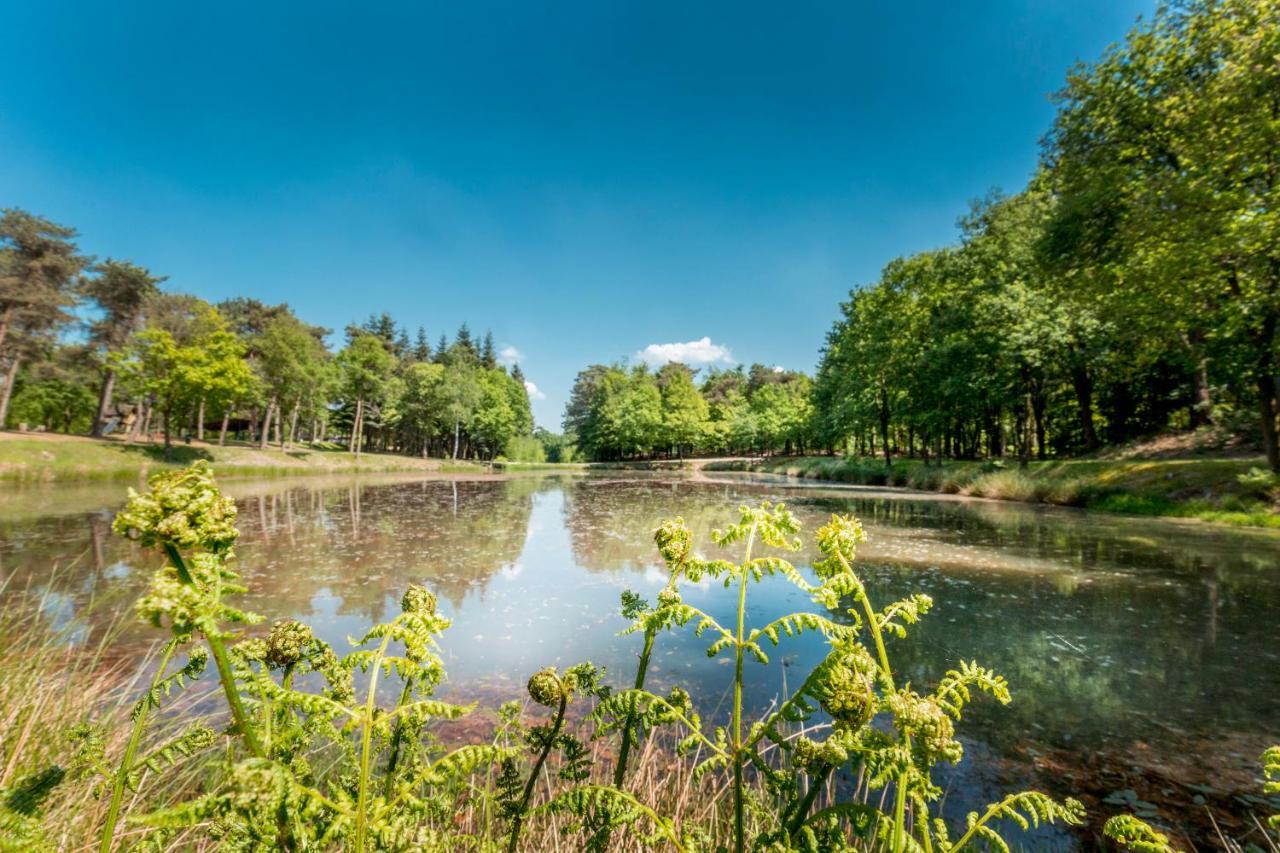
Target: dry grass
[(50, 680)]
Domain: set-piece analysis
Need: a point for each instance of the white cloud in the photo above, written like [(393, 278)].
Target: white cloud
[(778, 368), (534, 393), (693, 353), (510, 355)]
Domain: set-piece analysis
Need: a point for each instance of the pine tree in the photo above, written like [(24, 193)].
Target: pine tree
[(422, 347), (487, 356), (464, 341)]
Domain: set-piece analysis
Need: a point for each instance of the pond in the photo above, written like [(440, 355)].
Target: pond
[(1142, 654)]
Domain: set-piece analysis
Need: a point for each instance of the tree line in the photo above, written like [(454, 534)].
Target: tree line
[(149, 360), (1132, 286), (616, 413)]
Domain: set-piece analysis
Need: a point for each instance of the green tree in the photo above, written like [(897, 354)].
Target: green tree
[(1164, 153), (121, 291), (39, 267), (365, 365), (684, 412)]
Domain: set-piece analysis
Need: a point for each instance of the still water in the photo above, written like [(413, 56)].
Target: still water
[(1143, 656)]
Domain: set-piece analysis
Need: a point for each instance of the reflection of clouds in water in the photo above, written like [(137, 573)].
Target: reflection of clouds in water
[(512, 570)]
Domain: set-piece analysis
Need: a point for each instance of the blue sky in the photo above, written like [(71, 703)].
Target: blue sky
[(591, 181)]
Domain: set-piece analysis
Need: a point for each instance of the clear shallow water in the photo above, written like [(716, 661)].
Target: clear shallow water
[(1143, 655)]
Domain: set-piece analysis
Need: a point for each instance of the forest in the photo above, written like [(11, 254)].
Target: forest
[(99, 348), (1131, 288)]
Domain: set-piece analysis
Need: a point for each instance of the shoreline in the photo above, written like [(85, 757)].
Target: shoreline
[(51, 457), (1207, 490)]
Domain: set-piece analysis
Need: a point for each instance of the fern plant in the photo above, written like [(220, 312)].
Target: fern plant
[(388, 786), (853, 685)]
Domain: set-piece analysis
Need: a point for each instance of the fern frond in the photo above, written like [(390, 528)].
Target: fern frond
[(954, 690), (794, 624), (197, 660), (1026, 809), (909, 610), (1136, 836), (196, 739), (587, 799)]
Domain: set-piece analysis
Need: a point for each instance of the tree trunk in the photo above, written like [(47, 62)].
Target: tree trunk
[(168, 435), (104, 402), (457, 427), (1201, 402), (1083, 384), (222, 432), (5, 319), (10, 375), (884, 430), (277, 425), (1267, 412), (357, 427), (293, 424), (146, 420), (266, 425), (132, 434), (200, 421), (1024, 432), (253, 425), (1038, 403)]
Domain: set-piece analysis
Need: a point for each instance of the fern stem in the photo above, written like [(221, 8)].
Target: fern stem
[(802, 809), (396, 739), (518, 821), (219, 651), (739, 803), (900, 816), (131, 750), (619, 772), (899, 842), (366, 746)]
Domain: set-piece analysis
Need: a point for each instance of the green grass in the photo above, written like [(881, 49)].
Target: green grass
[(75, 458), (1206, 489)]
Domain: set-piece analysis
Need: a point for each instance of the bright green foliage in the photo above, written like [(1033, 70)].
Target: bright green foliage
[(1163, 154), (210, 366), (684, 411), (1136, 835), (616, 413), (852, 685)]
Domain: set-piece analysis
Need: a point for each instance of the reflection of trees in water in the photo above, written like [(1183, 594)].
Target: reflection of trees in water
[(611, 522), (1099, 623), (1100, 662), (365, 544)]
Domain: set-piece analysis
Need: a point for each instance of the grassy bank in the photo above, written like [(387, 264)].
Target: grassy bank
[(1217, 490), (27, 457)]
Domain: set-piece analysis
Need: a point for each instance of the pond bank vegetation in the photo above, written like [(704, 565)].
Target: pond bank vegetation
[(1226, 491)]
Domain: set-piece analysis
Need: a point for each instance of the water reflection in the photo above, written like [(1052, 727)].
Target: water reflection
[(1142, 654)]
